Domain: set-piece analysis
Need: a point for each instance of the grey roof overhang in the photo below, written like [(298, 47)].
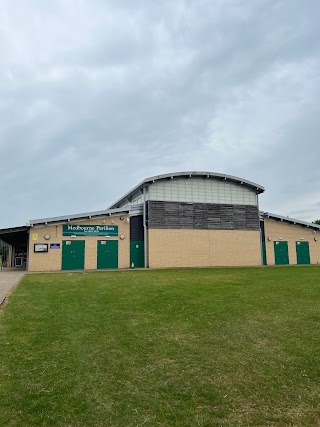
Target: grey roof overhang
[(256, 187), (14, 235), (290, 220), (81, 216)]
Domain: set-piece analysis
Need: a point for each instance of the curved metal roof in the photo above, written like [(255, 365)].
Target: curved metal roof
[(256, 187)]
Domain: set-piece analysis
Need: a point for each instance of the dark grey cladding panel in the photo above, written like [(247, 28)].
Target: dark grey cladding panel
[(156, 215), (171, 214), (213, 218), (185, 215), (251, 217), (202, 216), (226, 217), (240, 217)]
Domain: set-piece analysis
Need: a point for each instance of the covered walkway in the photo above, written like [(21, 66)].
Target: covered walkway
[(14, 247)]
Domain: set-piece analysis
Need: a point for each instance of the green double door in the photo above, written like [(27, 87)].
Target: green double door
[(107, 254), (281, 254), (303, 252), (73, 254)]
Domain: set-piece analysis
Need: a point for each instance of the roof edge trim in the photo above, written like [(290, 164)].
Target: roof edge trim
[(86, 215), (290, 220)]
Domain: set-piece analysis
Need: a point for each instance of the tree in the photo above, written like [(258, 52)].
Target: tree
[(317, 221)]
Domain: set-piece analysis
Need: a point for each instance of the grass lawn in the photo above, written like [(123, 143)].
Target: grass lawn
[(190, 347)]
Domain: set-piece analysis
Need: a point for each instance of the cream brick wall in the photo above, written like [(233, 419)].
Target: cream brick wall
[(51, 261), (292, 234), (203, 248)]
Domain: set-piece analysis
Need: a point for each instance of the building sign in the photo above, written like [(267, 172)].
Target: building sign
[(90, 230), (34, 236), (54, 245), (41, 247)]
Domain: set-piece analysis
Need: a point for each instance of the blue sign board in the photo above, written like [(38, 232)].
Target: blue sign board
[(54, 245)]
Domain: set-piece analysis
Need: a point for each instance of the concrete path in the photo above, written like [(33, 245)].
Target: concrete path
[(8, 280)]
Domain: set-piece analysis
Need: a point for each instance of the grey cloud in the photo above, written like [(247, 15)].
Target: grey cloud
[(97, 96)]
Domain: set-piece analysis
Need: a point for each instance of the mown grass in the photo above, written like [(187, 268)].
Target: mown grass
[(193, 347)]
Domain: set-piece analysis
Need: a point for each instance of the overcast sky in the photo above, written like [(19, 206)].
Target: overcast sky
[(97, 95)]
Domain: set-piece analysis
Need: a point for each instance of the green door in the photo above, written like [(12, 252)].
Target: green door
[(107, 255), (73, 254), (137, 253), (303, 252), (281, 255)]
